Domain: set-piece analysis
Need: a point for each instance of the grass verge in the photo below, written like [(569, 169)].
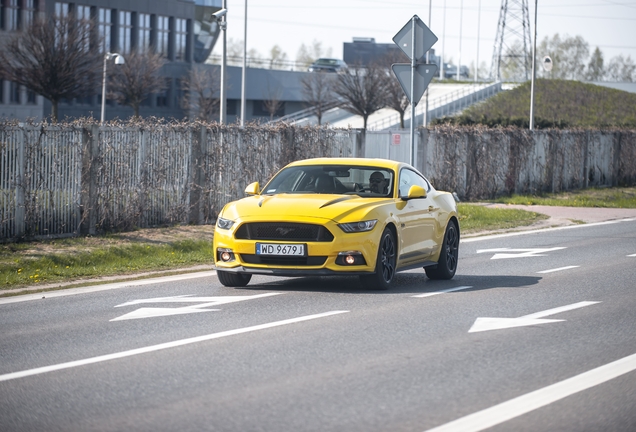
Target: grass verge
[(594, 197), (474, 218), (34, 264)]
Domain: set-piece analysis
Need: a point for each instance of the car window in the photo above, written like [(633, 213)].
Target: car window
[(409, 178), (365, 181)]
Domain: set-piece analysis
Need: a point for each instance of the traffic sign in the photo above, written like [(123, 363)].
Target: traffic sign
[(424, 73), (424, 39)]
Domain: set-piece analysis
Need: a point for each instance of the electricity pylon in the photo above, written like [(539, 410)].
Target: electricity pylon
[(512, 53)]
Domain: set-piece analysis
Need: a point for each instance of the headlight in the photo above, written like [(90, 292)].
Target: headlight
[(354, 227), (224, 223)]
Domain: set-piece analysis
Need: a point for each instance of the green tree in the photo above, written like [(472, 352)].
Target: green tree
[(568, 57), (621, 69), (595, 69), (308, 54), (278, 58)]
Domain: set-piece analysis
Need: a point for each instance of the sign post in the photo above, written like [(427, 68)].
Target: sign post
[(415, 39)]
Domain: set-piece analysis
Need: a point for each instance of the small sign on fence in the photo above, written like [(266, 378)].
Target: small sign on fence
[(395, 139)]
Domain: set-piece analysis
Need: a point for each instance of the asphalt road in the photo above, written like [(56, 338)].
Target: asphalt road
[(537, 331)]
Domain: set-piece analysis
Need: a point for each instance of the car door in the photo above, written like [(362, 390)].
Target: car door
[(416, 218)]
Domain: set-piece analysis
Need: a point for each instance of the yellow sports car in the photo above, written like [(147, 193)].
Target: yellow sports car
[(338, 216)]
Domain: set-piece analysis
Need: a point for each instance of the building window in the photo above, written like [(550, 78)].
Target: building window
[(29, 9), (163, 98), (144, 32), (31, 100), (62, 9), (10, 15), (125, 32), (14, 93), (1, 91), (83, 13), (163, 33), (180, 38), (232, 107), (105, 24)]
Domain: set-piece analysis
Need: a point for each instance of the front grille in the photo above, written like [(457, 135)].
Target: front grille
[(284, 260), (283, 231)]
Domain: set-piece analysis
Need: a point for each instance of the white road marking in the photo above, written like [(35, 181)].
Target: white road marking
[(632, 255), (105, 287), (489, 323), (148, 312), (442, 291), (152, 348), (539, 398), (543, 230), (558, 269), (518, 253)]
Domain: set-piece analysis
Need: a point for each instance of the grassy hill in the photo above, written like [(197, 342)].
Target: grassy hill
[(558, 104)]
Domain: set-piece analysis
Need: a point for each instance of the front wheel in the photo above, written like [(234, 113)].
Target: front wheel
[(385, 263), (233, 279), (448, 257)]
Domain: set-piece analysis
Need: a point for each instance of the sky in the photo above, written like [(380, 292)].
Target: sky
[(607, 24)]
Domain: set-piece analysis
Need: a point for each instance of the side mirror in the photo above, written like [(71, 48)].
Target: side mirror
[(415, 192), (252, 189)]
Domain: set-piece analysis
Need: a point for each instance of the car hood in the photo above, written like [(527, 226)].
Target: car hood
[(338, 208)]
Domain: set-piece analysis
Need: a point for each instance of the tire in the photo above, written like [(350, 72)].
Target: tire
[(233, 279), (448, 257), (384, 264)]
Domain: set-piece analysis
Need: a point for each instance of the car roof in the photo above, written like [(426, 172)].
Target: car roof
[(374, 162)]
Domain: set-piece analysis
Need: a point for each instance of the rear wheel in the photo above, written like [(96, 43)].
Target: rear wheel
[(385, 263), (448, 257), (233, 279)]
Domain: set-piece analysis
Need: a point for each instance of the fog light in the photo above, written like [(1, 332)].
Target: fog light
[(225, 255), (350, 258)]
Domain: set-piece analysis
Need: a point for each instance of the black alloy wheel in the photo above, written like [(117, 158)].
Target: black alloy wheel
[(233, 279), (448, 257), (385, 263)]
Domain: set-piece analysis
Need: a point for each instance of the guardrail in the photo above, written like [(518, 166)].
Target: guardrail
[(307, 112), (447, 104)]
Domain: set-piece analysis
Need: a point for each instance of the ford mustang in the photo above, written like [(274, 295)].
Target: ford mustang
[(338, 216)]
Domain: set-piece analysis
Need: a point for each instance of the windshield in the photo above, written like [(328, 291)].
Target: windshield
[(364, 181)]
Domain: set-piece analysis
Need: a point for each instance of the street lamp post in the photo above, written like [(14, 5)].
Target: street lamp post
[(221, 20), (119, 60), (534, 61), (244, 69)]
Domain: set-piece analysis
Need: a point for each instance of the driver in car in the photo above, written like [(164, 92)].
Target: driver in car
[(377, 183)]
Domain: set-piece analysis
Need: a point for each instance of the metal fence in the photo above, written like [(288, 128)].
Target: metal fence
[(75, 179), (64, 181)]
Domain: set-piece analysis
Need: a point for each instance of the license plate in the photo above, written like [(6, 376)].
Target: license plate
[(280, 249)]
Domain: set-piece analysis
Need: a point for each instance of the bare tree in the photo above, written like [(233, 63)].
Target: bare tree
[(317, 92), (56, 57), (200, 87), (395, 98), (273, 100), (363, 90), (137, 78)]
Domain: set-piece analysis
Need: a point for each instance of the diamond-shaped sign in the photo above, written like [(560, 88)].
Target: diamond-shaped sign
[(424, 38), (424, 73)]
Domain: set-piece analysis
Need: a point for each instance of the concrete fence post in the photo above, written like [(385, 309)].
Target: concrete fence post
[(90, 169)]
